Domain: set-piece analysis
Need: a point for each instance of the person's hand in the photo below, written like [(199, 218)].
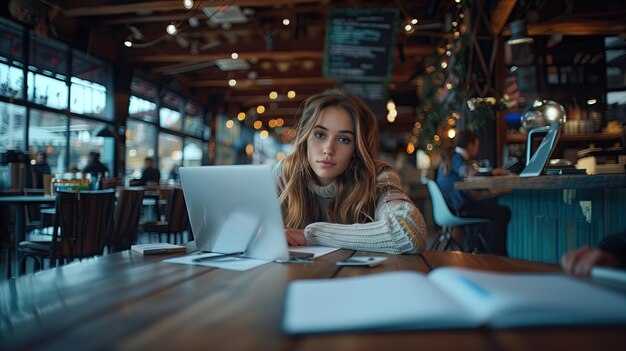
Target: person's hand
[(581, 261), (499, 172), (295, 237)]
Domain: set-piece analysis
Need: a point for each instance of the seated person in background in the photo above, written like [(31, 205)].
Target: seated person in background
[(332, 190), (95, 167), (455, 167), (40, 168), (174, 175), (149, 173), (611, 252)]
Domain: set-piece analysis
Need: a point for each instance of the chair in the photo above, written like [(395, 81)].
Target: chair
[(447, 220), (126, 219), (81, 226), (176, 219), (7, 237)]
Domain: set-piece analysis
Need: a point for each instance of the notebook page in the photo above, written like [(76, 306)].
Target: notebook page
[(531, 299), (393, 300)]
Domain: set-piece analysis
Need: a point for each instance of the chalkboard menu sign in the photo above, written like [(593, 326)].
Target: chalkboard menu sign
[(374, 95), (359, 44)]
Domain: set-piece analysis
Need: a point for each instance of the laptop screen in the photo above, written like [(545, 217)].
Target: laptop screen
[(540, 158), (235, 209)]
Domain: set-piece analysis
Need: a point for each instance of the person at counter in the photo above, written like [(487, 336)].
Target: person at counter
[(334, 192), (611, 252), (95, 167), (40, 168), (149, 174), (456, 166)]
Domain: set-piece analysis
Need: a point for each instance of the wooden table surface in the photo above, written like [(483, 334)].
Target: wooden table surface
[(126, 301), (600, 181)]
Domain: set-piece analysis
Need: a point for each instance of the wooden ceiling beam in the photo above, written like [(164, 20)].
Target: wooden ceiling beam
[(500, 14), (574, 27), (161, 6)]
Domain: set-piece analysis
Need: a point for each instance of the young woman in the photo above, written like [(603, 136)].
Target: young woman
[(332, 190)]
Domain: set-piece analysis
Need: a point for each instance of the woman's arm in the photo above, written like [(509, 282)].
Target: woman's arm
[(398, 228)]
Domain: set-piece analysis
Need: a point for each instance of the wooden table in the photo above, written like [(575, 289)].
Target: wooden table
[(552, 215), (600, 181), (130, 302), (20, 222)]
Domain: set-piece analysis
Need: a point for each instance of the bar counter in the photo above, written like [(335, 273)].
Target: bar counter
[(552, 215)]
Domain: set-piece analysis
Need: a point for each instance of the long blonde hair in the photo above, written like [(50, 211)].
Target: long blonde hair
[(355, 195)]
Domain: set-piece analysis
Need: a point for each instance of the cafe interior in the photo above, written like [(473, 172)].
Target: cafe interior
[(118, 84)]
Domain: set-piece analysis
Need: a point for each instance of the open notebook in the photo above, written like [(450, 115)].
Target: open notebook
[(447, 298)]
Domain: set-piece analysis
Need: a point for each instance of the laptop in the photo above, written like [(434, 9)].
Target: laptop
[(539, 161), (235, 209)]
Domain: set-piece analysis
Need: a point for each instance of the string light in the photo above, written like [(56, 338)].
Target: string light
[(258, 124), (234, 55), (230, 123), (171, 29), (286, 21), (273, 95), (188, 4), (232, 82), (264, 134), (241, 116), (260, 109), (414, 21), (128, 43), (291, 94), (249, 149)]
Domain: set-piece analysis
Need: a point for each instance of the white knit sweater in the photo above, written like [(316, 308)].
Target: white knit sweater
[(398, 226)]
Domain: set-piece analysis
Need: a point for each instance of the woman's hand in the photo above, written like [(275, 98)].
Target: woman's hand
[(295, 237), (581, 261)]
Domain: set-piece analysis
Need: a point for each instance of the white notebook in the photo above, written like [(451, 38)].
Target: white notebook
[(447, 298), (157, 248)]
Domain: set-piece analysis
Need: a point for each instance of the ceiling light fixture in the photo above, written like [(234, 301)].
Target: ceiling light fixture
[(519, 35), (232, 82), (188, 4), (234, 55), (171, 29), (286, 21)]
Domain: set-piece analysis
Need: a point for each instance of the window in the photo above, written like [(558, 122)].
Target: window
[(47, 131), (11, 81), (170, 119), (48, 73), (192, 153), (12, 122), (90, 80), (143, 100), (142, 109), (11, 42), (140, 143), (169, 115), (170, 152), (194, 119)]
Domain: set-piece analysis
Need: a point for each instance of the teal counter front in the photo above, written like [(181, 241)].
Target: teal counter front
[(552, 215)]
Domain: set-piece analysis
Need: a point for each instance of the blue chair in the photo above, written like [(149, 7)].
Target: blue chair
[(447, 220)]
